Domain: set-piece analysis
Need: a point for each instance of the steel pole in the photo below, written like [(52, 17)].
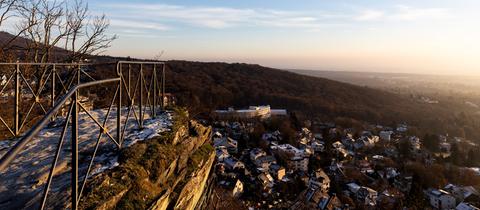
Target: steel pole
[(119, 114), (129, 78), (154, 90), (53, 85), (163, 87), (75, 150), (17, 99), (141, 96), (79, 73)]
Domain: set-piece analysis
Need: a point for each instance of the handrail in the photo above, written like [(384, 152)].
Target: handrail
[(146, 92), (119, 63), (10, 155)]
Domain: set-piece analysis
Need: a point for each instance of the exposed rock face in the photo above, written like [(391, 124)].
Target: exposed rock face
[(193, 190), (166, 172)]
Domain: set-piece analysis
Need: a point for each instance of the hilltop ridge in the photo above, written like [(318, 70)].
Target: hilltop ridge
[(205, 86)]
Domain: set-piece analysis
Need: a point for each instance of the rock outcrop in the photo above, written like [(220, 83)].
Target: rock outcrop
[(165, 172)]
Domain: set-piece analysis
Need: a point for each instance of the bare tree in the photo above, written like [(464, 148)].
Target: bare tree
[(6, 7), (7, 10), (158, 56), (58, 30)]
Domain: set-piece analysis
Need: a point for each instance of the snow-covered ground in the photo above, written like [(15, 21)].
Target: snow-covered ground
[(24, 180)]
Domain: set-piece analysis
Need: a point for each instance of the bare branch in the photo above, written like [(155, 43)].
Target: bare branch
[(47, 24)]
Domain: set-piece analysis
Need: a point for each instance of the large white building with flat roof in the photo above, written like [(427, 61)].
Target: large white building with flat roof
[(251, 112)]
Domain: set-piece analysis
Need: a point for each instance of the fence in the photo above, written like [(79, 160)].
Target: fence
[(58, 87)]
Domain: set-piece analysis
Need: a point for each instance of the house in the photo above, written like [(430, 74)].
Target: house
[(460, 193), (4, 80), (444, 149), (217, 134), (256, 153), (304, 141), (289, 149), (307, 134), (232, 163), (339, 149), (277, 171), (319, 180), (364, 165), (403, 183), (466, 206), (308, 150), (386, 135), (330, 202), (367, 196), (266, 180), (440, 199), (415, 143), (353, 188), (317, 146), (263, 163), (318, 136), (275, 136), (281, 173), (348, 142), (322, 200), (227, 142), (298, 159), (366, 141), (222, 154), (402, 128), (238, 189), (391, 173), (337, 144), (298, 163)]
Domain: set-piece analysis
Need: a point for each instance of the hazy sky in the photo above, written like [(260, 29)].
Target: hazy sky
[(427, 36)]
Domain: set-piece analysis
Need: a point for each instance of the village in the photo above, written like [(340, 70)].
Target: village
[(321, 165)]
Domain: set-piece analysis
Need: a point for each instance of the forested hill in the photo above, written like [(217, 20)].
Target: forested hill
[(206, 86)]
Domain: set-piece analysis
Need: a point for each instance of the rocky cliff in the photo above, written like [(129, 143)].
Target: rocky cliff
[(166, 172)]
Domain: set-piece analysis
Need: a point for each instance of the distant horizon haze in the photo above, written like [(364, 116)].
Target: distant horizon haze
[(410, 36)]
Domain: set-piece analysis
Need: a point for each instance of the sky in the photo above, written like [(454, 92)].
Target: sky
[(428, 36)]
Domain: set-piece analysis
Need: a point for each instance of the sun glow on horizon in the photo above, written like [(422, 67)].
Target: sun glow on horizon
[(432, 36)]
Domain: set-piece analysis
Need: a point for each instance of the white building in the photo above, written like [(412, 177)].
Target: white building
[(290, 150), (298, 158), (251, 112), (386, 135)]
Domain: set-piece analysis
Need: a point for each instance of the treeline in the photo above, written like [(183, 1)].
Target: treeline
[(206, 86)]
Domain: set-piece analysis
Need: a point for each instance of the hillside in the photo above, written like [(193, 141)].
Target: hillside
[(206, 86), (19, 44)]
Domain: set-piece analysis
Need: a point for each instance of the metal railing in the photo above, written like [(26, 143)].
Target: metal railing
[(59, 77), (147, 93)]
